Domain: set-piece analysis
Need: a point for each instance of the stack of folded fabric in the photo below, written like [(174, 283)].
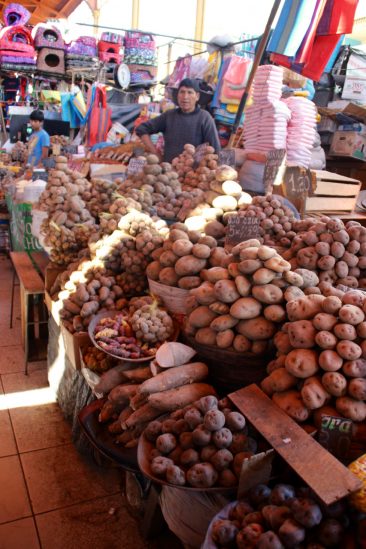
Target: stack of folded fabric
[(17, 51), (265, 126), (301, 131), (82, 53)]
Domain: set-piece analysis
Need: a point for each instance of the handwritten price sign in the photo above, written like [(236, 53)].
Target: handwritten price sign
[(240, 228)]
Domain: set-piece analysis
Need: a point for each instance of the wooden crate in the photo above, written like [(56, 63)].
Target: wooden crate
[(73, 344), (333, 193), (52, 272)]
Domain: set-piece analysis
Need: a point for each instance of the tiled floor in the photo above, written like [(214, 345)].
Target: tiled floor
[(50, 496)]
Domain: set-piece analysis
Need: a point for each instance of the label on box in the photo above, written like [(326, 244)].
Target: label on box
[(240, 228), (355, 83), (274, 169), (335, 435)]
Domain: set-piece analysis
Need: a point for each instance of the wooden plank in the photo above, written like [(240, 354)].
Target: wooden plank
[(331, 176), (40, 260), (337, 189), (330, 203), (27, 274), (329, 479)]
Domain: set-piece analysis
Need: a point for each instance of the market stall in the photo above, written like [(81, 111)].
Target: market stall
[(206, 327)]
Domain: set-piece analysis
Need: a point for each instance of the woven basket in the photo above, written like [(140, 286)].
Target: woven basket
[(230, 370), (174, 299)]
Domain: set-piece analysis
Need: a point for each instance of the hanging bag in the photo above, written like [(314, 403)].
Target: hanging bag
[(99, 122)]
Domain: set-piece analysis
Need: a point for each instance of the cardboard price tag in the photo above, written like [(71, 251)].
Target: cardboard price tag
[(297, 186), (135, 166), (227, 158), (335, 435), (240, 228), (255, 470), (274, 169)]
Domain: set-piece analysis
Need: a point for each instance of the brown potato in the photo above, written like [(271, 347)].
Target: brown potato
[(206, 336), (324, 321), (205, 293), (330, 361), (223, 322), (301, 334), (349, 350), (293, 278), (302, 363), (351, 314), (354, 297), (189, 282), (268, 294), (243, 285), (225, 339), (249, 266), (326, 340), (345, 331), (245, 308), (201, 317), (304, 308), (275, 313), (263, 276), (331, 305), (351, 408), (279, 380), (293, 293), (313, 394), (256, 328), (277, 264), (310, 278), (201, 251), (337, 250), (225, 291), (334, 383), (282, 342), (214, 274), (357, 388), (182, 247), (241, 344), (326, 262), (168, 276), (307, 258), (292, 403)]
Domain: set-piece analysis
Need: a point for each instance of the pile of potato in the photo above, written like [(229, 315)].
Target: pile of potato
[(181, 259), (277, 226), (97, 361), (121, 206), (278, 518), (321, 363), (101, 196), (192, 176), (19, 153), (335, 251), (137, 396), (158, 190), (202, 445), (241, 303), (90, 289)]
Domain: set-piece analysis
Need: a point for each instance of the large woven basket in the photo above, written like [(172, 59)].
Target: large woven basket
[(173, 299), (230, 370)]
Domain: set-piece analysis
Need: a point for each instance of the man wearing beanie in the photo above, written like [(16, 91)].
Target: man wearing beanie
[(186, 124)]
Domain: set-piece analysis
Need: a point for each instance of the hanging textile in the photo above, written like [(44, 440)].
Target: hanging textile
[(329, 21), (99, 118), (235, 80), (294, 21)]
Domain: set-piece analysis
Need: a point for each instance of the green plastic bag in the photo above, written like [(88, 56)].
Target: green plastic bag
[(21, 227)]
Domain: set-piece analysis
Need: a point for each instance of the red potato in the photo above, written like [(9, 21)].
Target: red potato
[(330, 361), (302, 363), (324, 321), (357, 388), (313, 394), (326, 340), (355, 368), (334, 383), (301, 334), (345, 331), (351, 314), (349, 350)]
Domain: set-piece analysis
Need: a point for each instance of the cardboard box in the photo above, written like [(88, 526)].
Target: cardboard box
[(53, 307), (73, 344), (351, 144)]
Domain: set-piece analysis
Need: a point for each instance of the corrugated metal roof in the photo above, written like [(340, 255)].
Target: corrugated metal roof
[(42, 10)]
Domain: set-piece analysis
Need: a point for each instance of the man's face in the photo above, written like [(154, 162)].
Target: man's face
[(187, 99)]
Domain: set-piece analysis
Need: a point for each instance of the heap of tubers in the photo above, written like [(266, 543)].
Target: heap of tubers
[(200, 445), (100, 196), (321, 362), (158, 190), (335, 251), (280, 517), (192, 174), (137, 396), (241, 303)]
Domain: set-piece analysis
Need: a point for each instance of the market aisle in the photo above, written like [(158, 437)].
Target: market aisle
[(50, 497)]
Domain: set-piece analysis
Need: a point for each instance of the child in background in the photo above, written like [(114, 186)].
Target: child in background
[(39, 141)]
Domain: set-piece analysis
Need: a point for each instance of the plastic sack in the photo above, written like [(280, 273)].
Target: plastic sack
[(188, 514)]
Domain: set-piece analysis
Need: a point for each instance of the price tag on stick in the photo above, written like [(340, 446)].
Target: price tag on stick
[(274, 169), (240, 228), (297, 186)]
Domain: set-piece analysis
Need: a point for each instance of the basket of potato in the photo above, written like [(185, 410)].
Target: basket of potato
[(321, 363), (237, 310), (199, 447), (277, 518)]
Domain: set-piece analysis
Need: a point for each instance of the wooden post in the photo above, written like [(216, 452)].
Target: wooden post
[(135, 14), (200, 21), (258, 56)]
